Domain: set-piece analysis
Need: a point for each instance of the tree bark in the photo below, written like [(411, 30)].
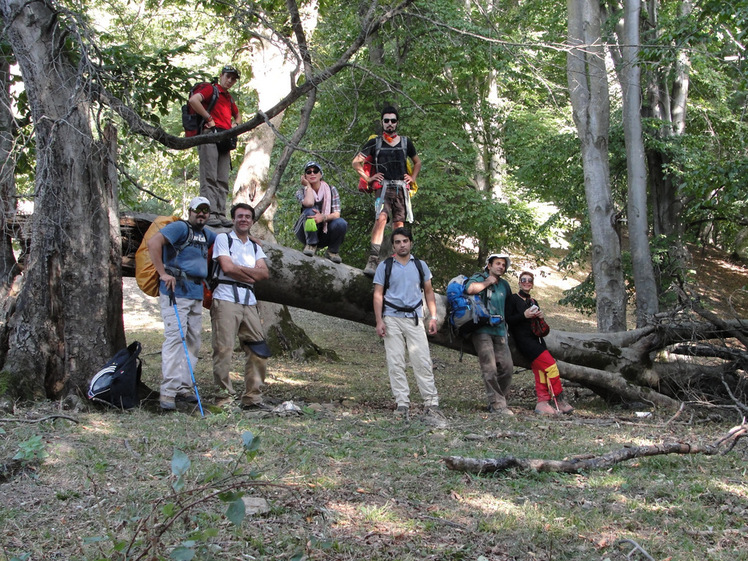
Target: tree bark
[(588, 89), (638, 225), (8, 266), (68, 314)]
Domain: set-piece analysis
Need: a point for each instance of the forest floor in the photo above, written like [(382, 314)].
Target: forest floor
[(345, 480)]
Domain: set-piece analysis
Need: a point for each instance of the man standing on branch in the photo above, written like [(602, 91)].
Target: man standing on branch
[(215, 159), (490, 341), (179, 253), (400, 282), (234, 312), (390, 180)]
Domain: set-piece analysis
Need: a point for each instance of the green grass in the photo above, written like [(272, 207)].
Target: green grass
[(353, 483)]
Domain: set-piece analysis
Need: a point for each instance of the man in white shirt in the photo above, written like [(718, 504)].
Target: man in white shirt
[(234, 309)]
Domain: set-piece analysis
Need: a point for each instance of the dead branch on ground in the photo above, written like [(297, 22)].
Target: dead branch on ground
[(585, 463)]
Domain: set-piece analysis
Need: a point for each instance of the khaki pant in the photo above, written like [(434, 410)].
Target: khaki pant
[(496, 366), (229, 320), (214, 176), (175, 373), (402, 332)]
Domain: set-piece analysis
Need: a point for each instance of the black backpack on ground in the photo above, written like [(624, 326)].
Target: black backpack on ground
[(117, 382)]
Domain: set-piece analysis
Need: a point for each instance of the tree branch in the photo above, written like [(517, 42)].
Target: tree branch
[(586, 463)]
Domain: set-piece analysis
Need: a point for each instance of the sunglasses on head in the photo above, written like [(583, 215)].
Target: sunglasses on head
[(312, 170), (389, 121)]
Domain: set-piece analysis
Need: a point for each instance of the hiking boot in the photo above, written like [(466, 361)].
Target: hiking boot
[(434, 417), (334, 257), (186, 398), (498, 409), (255, 407), (545, 409), (167, 404), (371, 265), (402, 413), (564, 407), (309, 250)]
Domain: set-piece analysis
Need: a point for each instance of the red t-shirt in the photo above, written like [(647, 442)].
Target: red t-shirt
[(225, 107)]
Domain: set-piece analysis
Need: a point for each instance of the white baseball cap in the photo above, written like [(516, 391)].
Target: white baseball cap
[(199, 201)]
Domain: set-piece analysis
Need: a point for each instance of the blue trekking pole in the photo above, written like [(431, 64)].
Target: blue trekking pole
[(173, 301)]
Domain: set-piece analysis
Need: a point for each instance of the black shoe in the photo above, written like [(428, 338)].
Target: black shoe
[(186, 398), (255, 407)]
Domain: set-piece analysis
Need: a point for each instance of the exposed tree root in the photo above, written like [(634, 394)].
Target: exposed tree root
[(17, 420), (586, 463)]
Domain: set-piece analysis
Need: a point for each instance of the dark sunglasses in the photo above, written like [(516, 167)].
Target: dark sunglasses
[(525, 279), (312, 170), (389, 121), (203, 209)]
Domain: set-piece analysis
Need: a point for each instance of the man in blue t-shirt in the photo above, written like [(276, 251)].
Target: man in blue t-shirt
[(490, 341), (179, 253), (398, 309)]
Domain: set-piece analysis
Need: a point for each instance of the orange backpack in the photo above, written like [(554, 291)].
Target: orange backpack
[(145, 273)]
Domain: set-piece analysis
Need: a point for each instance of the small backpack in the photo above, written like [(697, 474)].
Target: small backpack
[(145, 273), (467, 312), (191, 121), (117, 382)]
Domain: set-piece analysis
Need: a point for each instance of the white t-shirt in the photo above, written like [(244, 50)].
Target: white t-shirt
[(243, 254)]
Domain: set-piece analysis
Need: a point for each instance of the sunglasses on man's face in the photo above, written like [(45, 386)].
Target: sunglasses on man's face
[(312, 170), (385, 121), (203, 210)]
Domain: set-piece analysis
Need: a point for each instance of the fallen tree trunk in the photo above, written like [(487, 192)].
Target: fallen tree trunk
[(587, 463)]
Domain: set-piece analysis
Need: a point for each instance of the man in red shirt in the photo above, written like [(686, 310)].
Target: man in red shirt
[(215, 163)]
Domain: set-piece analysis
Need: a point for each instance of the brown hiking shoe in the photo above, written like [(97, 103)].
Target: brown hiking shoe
[(546, 409), (564, 407), (309, 250), (371, 265), (498, 409), (334, 257)]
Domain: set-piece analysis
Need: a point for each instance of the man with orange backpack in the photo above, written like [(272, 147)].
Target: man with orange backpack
[(391, 181), (179, 252)]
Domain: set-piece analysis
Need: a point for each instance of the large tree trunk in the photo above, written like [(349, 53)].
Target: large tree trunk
[(638, 225), (588, 89), (68, 315), (8, 268)]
